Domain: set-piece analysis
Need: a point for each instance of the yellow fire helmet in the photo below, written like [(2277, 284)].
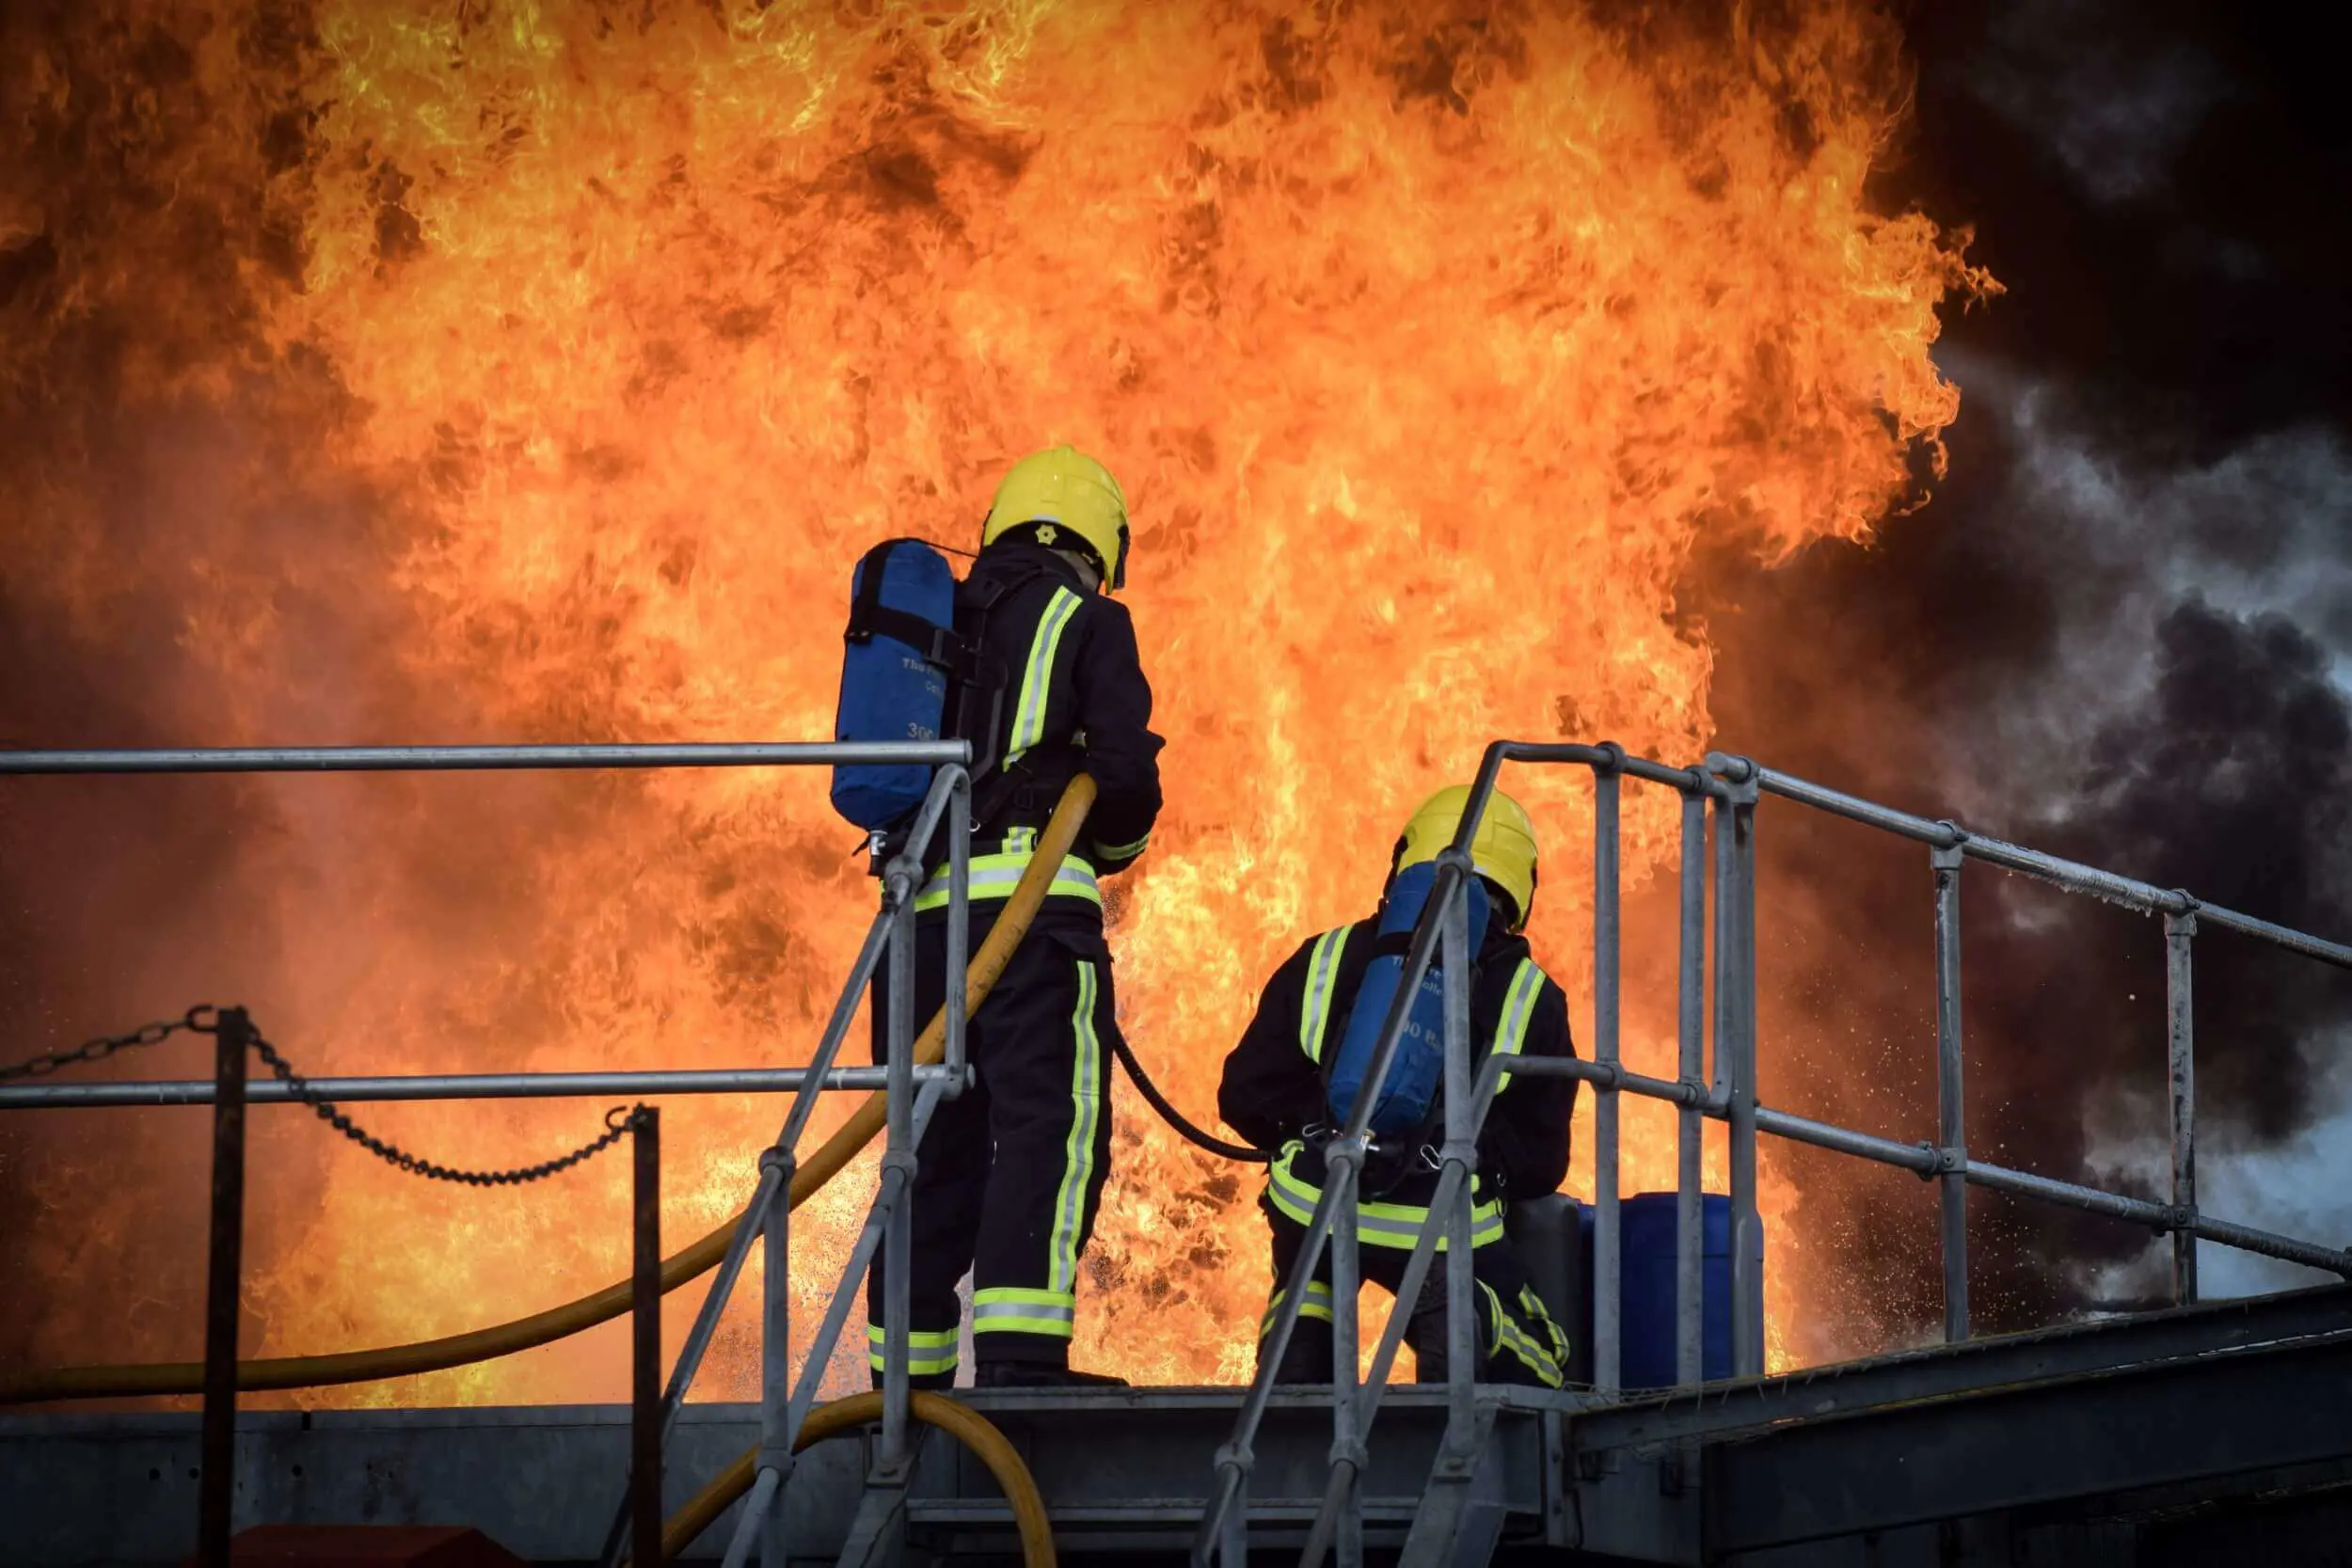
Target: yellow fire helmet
[(1063, 499), (1503, 851)]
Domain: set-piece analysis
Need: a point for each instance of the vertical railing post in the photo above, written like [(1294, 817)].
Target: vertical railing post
[(1341, 1170), (1606, 1299), (2181, 1032), (1690, 1021), (217, 1492), (959, 922), (898, 1122), (1460, 1287), (775, 1350), (1343, 1167), (645, 1381), (1951, 1117), (1232, 1545), (1739, 973)]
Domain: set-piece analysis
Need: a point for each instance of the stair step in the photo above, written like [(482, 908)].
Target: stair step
[(1129, 1513)]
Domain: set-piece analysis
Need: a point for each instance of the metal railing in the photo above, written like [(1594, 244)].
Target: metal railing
[(1723, 793), (911, 1092), (1729, 787)]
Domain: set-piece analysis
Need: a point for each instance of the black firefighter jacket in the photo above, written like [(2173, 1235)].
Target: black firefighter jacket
[(1070, 697), (1273, 1091)]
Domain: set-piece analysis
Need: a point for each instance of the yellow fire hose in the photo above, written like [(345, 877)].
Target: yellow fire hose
[(959, 1422), (556, 1322)]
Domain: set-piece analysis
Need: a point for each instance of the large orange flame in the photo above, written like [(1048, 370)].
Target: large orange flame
[(1430, 340)]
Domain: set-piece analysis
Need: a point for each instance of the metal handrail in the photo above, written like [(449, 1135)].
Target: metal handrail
[(464, 1085), (1729, 786), (909, 1093), (2073, 876), (1732, 785), (478, 759)]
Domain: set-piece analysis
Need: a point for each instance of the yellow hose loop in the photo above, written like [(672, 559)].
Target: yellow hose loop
[(961, 1421), (556, 1322)]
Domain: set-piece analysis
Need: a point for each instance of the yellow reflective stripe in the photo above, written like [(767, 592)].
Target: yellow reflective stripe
[(996, 876), (1015, 1309), (1532, 1309), (1122, 851), (930, 1351), (998, 1295), (1509, 1336), (1316, 1305), (929, 1338), (1028, 724), (1018, 1310), (1519, 1008), (1388, 1225), (1085, 1111), (1053, 1329), (1323, 972)]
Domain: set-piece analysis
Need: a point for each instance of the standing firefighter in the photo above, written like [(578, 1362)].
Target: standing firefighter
[(1010, 1172), (1302, 1060)]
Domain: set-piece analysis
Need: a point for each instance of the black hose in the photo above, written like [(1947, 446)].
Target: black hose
[(1175, 1118)]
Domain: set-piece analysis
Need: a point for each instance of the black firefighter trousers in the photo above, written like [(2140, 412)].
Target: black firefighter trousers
[(1516, 1339), (1011, 1173)]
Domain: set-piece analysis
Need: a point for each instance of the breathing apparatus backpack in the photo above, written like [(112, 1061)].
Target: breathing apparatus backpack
[(1409, 1098), (907, 674), (899, 652)]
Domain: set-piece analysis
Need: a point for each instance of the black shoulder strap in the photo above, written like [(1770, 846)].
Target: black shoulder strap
[(1348, 984), (976, 700)]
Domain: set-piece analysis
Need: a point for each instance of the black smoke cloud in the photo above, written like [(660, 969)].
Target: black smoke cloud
[(2117, 631)]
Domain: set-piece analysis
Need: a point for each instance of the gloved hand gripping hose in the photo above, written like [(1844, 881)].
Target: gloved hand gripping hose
[(556, 1322)]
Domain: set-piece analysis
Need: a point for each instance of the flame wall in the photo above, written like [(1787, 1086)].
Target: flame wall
[(536, 372)]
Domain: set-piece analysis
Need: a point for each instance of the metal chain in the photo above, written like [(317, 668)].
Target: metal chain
[(204, 1018), (617, 1122), (201, 1020)]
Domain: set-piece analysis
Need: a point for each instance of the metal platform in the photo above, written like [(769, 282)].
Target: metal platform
[(2121, 1442)]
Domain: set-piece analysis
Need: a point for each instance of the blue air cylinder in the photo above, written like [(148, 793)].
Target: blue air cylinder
[(891, 687), (1417, 1073)]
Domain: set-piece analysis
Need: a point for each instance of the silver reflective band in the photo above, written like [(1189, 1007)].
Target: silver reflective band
[(1072, 880), (1024, 1309)]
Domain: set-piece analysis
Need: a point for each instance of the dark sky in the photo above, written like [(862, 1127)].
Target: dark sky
[(2117, 631)]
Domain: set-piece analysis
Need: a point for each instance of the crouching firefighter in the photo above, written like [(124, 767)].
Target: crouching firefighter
[(1009, 1172), (1291, 1081)]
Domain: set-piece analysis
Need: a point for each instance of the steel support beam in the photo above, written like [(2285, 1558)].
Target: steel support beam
[(2211, 1331), (2150, 1423)]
